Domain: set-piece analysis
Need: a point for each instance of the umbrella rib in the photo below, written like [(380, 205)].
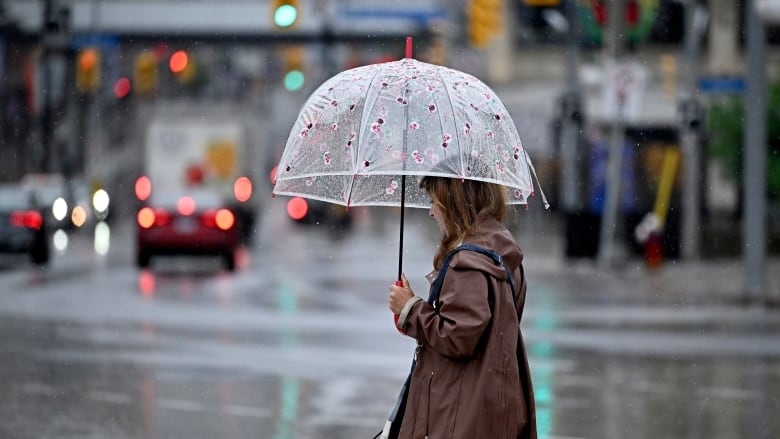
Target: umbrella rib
[(457, 127), (363, 118)]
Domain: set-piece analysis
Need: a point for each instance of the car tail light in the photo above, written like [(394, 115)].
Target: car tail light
[(209, 218), (242, 189), (225, 219), (162, 217), (143, 187), (186, 206), (30, 219), (297, 208), (146, 217)]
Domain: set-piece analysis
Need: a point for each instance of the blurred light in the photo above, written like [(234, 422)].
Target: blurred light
[(143, 187), (285, 15), (78, 216), (178, 61), (88, 59), (293, 80), (186, 206), (242, 189), (100, 200), (297, 208), (146, 283), (162, 217), (30, 219), (122, 88), (59, 208), (146, 217), (224, 219), (102, 238), (209, 218), (60, 240)]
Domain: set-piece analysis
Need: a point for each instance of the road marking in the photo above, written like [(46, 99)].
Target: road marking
[(110, 397), (180, 405)]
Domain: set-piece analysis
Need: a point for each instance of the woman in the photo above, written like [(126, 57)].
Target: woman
[(471, 378)]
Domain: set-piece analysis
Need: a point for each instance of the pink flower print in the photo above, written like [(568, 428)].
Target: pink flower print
[(431, 88), (385, 85), (352, 135), (390, 189), (504, 155), (414, 125), (401, 101), (518, 195), (418, 158), (490, 134), (366, 164), (334, 126), (444, 145), (468, 169), (287, 169), (335, 103), (500, 166), (349, 144), (516, 153), (376, 128), (380, 121), (487, 96), (497, 117), (467, 129), (431, 108), (446, 137), (326, 157), (304, 134), (352, 107), (309, 181)]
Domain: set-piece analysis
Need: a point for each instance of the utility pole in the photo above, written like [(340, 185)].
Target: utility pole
[(571, 119), (609, 218), (690, 124), (755, 154)]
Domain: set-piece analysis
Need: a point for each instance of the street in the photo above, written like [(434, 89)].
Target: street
[(299, 343)]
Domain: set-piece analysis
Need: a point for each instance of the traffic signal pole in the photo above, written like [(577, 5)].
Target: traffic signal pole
[(754, 160), (609, 216), (571, 120)]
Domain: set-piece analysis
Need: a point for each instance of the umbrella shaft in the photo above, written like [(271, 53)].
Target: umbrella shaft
[(401, 239)]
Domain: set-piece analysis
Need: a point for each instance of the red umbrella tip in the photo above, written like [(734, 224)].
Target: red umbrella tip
[(408, 47)]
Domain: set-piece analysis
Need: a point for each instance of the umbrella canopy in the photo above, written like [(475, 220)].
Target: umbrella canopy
[(364, 129)]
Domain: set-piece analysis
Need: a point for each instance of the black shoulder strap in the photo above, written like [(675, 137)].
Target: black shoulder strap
[(433, 296)]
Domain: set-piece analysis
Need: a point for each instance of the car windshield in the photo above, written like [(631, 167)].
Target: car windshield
[(13, 197)]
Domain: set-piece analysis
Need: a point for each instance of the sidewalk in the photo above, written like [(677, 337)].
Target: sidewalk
[(684, 283)]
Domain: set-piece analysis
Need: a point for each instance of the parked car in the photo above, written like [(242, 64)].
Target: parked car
[(192, 224), (22, 227)]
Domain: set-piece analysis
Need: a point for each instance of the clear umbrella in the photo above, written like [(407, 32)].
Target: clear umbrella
[(363, 131)]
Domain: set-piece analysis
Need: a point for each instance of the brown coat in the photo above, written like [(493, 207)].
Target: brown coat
[(465, 384)]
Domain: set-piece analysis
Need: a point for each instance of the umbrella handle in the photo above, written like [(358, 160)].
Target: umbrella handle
[(398, 283)]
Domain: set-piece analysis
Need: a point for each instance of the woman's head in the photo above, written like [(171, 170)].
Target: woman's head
[(458, 205)]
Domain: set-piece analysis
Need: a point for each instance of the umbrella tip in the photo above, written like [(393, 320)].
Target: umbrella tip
[(408, 53), (273, 195)]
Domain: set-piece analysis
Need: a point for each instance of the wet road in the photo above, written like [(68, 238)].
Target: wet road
[(298, 343)]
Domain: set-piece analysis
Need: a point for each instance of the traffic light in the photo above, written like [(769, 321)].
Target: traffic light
[(284, 13), (183, 66), (293, 68), (484, 21), (145, 74), (88, 70)]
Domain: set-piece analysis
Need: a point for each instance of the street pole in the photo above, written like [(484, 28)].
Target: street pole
[(755, 154), (571, 120), (690, 125), (609, 218)]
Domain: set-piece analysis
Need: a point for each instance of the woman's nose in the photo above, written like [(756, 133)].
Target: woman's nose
[(430, 212)]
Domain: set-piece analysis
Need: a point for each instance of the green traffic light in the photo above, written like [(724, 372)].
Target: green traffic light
[(293, 80), (285, 15)]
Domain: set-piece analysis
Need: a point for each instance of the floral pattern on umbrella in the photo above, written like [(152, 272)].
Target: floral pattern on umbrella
[(365, 127)]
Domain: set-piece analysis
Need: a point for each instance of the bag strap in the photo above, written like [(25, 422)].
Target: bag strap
[(433, 296)]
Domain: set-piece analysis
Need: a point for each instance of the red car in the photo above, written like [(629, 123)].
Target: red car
[(192, 224)]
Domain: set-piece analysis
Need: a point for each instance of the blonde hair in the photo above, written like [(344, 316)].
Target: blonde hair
[(463, 204)]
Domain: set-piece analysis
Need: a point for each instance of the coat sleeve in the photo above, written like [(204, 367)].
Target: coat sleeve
[(455, 329)]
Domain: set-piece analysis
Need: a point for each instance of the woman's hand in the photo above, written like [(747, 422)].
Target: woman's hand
[(400, 295)]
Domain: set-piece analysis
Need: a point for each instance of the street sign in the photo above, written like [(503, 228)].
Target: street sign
[(722, 85), (623, 90)]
